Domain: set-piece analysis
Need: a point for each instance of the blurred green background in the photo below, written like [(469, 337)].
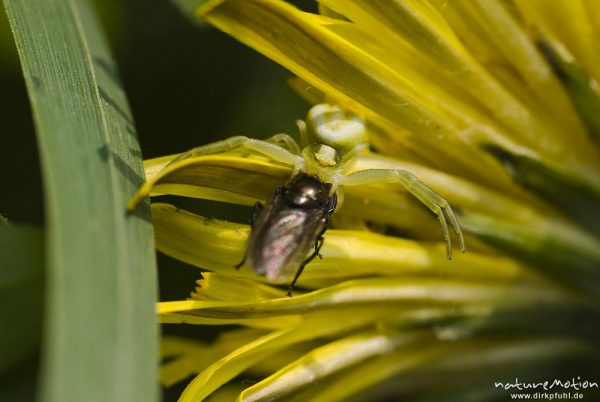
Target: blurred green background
[(187, 83)]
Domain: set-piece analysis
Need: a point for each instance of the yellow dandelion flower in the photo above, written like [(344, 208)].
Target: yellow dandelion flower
[(492, 104)]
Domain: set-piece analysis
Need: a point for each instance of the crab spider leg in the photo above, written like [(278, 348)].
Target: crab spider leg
[(214, 148), (286, 140), (302, 129), (426, 195), (263, 147), (275, 152)]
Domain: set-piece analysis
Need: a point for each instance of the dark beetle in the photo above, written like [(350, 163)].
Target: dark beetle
[(284, 230)]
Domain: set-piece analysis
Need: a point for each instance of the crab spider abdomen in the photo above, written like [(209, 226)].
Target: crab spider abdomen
[(333, 126)]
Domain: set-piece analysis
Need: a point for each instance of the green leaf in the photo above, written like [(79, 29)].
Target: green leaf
[(189, 7), (555, 250), (21, 293), (576, 195), (101, 334), (579, 86)]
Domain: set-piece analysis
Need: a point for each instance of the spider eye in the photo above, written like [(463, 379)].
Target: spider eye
[(333, 126)]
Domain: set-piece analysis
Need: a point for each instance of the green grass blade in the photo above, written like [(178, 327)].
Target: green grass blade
[(101, 333)]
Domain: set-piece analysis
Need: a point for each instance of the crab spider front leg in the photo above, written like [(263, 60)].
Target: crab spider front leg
[(267, 148), (287, 153), (426, 195), (287, 141)]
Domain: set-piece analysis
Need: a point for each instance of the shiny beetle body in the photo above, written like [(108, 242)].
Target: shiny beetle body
[(284, 230)]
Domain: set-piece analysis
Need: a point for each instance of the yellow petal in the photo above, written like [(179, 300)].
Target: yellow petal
[(314, 367), (580, 35), (220, 177), (189, 356), (218, 246), (324, 324), (305, 44), (420, 24), (228, 288)]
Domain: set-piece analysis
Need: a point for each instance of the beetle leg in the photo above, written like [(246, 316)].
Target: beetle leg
[(331, 204), (318, 245), (239, 264), (256, 210)]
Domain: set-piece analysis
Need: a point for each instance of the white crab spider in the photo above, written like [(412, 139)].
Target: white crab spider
[(331, 136)]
